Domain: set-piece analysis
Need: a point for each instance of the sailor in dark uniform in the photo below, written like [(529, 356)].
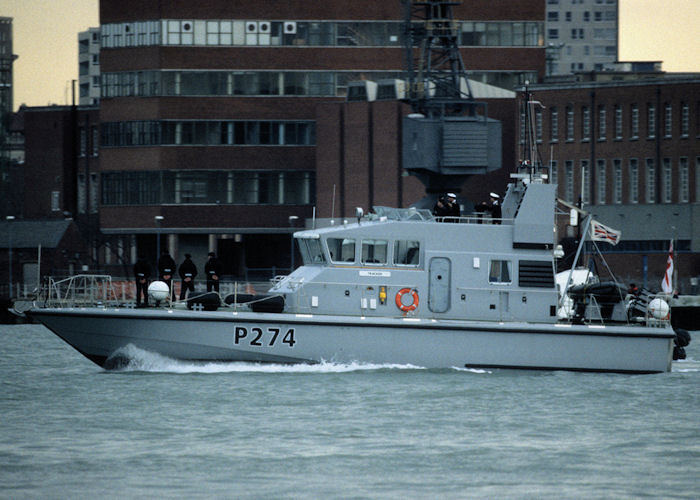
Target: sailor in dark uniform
[(142, 273), (188, 272), (213, 271), (495, 208), (166, 270), (453, 207)]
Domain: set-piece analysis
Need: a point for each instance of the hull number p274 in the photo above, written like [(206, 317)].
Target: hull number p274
[(259, 337)]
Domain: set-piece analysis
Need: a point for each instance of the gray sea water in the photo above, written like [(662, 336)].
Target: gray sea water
[(168, 429)]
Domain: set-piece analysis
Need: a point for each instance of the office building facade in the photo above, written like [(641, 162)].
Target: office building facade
[(89, 67), (208, 111), (629, 151), (581, 35)]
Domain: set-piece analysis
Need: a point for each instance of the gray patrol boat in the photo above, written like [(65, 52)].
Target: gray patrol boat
[(400, 286)]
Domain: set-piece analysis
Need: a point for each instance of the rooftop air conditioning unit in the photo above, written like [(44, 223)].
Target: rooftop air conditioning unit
[(364, 90), (264, 27), (251, 27), (290, 27), (187, 26), (391, 89)]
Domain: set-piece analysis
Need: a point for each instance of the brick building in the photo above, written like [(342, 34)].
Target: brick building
[(630, 149), (210, 112)]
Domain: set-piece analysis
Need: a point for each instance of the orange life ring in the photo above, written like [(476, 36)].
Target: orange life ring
[(399, 303)]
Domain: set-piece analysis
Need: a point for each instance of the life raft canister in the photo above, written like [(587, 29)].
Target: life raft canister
[(399, 299)]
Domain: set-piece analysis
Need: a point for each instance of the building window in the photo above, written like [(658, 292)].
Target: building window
[(554, 124), (667, 181), (683, 182), (685, 119), (553, 34), (83, 141), (538, 125), (94, 190), (617, 181), (618, 122), (601, 181), (569, 123), (651, 121), (586, 180), (55, 201), (651, 180), (82, 199), (553, 16), (553, 173), (634, 180), (585, 123), (95, 141), (569, 167), (602, 123), (668, 121), (634, 122)]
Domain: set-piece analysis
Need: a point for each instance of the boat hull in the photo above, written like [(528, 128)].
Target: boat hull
[(292, 338)]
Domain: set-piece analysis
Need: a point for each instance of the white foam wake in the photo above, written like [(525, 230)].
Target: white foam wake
[(134, 359)]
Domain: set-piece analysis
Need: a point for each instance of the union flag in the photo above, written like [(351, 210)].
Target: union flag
[(599, 232)]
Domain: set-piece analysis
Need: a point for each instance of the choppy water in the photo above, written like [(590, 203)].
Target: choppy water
[(161, 428)]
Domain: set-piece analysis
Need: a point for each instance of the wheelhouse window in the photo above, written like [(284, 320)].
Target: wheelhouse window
[(500, 272), (407, 253), (374, 251), (311, 251), (341, 249)]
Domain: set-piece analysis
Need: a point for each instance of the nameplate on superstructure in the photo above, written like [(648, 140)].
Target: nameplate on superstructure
[(376, 274)]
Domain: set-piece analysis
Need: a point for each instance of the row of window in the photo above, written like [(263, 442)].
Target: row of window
[(233, 83), (265, 83), (598, 16), (675, 180), (653, 125), (241, 187), (580, 2), (580, 34), (208, 133), (305, 33), (378, 252), (372, 252)]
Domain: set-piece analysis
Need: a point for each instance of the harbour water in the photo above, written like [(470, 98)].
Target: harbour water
[(162, 428)]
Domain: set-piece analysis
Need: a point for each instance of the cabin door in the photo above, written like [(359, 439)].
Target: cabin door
[(439, 293)]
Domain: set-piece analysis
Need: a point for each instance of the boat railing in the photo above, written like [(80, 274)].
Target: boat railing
[(474, 219), (95, 290), (79, 290)]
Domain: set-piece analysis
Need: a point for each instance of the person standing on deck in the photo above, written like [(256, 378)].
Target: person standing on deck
[(166, 270), (142, 273), (188, 272), (495, 208), (213, 271)]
